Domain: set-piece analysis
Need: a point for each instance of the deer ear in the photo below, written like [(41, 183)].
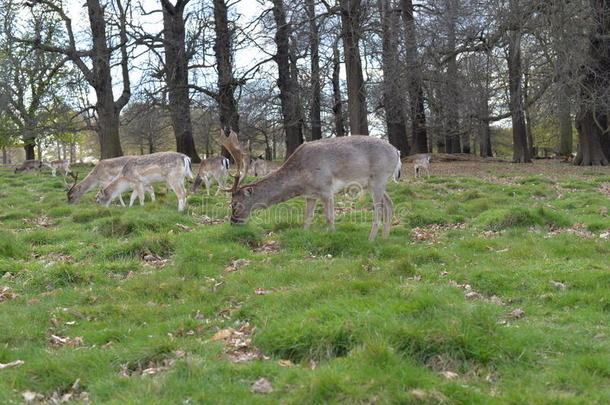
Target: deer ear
[(248, 191)]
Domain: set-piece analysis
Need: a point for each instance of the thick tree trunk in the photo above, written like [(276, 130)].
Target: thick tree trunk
[(565, 124), (356, 92), (416, 92), (337, 98), (4, 156), (592, 121), (314, 45), (101, 80), (521, 152), (176, 77), (223, 50), (286, 82), (528, 116), (392, 97)]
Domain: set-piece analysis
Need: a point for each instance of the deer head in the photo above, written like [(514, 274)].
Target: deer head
[(240, 201), (71, 191)]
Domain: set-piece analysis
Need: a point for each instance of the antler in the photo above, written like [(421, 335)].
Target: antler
[(241, 157), (75, 177)]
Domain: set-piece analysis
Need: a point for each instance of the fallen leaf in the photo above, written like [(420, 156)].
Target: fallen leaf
[(516, 314), (600, 336), (262, 386), (30, 396), (450, 375), (183, 227), (237, 264), (561, 286), (222, 334), (285, 363), (261, 291), (473, 295), (15, 363), (419, 394)]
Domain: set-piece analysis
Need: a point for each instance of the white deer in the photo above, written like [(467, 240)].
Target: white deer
[(317, 171), (143, 171), (216, 168), (101, 175)]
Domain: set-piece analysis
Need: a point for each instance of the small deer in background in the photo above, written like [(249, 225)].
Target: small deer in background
[(101, 175), (262, 167), (29, 165), (143, 171), (216, 168), (58, 164), (317, 171), (422, 162)]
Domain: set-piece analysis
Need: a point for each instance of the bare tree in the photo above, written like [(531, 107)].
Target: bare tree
[(314, 45)]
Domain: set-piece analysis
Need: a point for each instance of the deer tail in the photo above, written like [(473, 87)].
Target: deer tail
[(188, 167), (396, 175)]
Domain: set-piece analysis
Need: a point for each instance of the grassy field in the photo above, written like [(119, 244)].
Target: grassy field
[(494, 287)]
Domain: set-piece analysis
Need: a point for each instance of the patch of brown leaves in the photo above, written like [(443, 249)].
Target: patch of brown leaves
[(155, 261), (238, 344), (58, 397), (205, 220), (269, 247), (431, 233), (150, 367), (5, 295), (237, 264), (59, 341)]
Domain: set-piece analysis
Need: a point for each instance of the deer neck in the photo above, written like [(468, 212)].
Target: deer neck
[(279, 187)]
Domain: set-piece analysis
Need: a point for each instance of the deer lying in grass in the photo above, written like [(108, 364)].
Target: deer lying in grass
[(29, 165), (318, 170), (262, 167), (422, 162), (101, 175), (216, 168), (58, 164), (143, 171)]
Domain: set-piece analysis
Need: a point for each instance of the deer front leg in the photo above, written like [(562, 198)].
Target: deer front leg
[(208, 184), (53, 171), (388, 209), (151, 192), (121, 200), (310, 207), (378, 208), (329, 211)]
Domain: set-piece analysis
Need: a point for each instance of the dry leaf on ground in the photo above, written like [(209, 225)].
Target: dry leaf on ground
[(516, 314), (15, 363), (262, 386), (5, 295), (236, 265)]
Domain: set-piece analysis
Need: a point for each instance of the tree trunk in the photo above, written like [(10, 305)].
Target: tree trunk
[(286, 82), (337, 99), (4, 156), (176, 77), (101, 80), (392, 97), (521, 152), (356, 94), (416, 92), (223, 50), (528, 116), (452, 100), (314, 44), (565, 123), (592, 119)]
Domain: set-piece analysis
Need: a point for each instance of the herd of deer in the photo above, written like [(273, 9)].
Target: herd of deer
[(316, 171)]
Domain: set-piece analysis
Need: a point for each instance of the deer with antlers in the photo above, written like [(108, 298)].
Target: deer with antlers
[(101, 175), (216, 168), (142, 171), (317, 171)]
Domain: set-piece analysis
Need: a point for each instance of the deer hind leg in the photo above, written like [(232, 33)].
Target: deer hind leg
[(388, 209), (310, 207), (151, 192), (208, 183), (178, 187), (121, 199), (378, 200), (329, 211), (53, 171), (217, 178), (138, 190)]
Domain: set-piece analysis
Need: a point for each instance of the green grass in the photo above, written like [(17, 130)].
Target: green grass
[(339, 319)]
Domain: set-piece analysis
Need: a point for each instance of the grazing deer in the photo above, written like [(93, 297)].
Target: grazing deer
[(58, 164), (262, 167), (29, 165), (318, 170), (101, 175), (422, 162), (143, 171), (216, 167)]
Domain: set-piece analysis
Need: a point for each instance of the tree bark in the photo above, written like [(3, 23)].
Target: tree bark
[(452, 101), (286, 82), (592, 119), (314, 45), (356, 92), (337, 98), (565, 123), (521, 152), (176, 77), (392, 97), (416, 92), (223, 50)]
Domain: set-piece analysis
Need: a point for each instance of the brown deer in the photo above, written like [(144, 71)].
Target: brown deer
[(422, 162), (216, 168), (101, 175), (58, 164), (29, 165), (142, 171), (317, 171)]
